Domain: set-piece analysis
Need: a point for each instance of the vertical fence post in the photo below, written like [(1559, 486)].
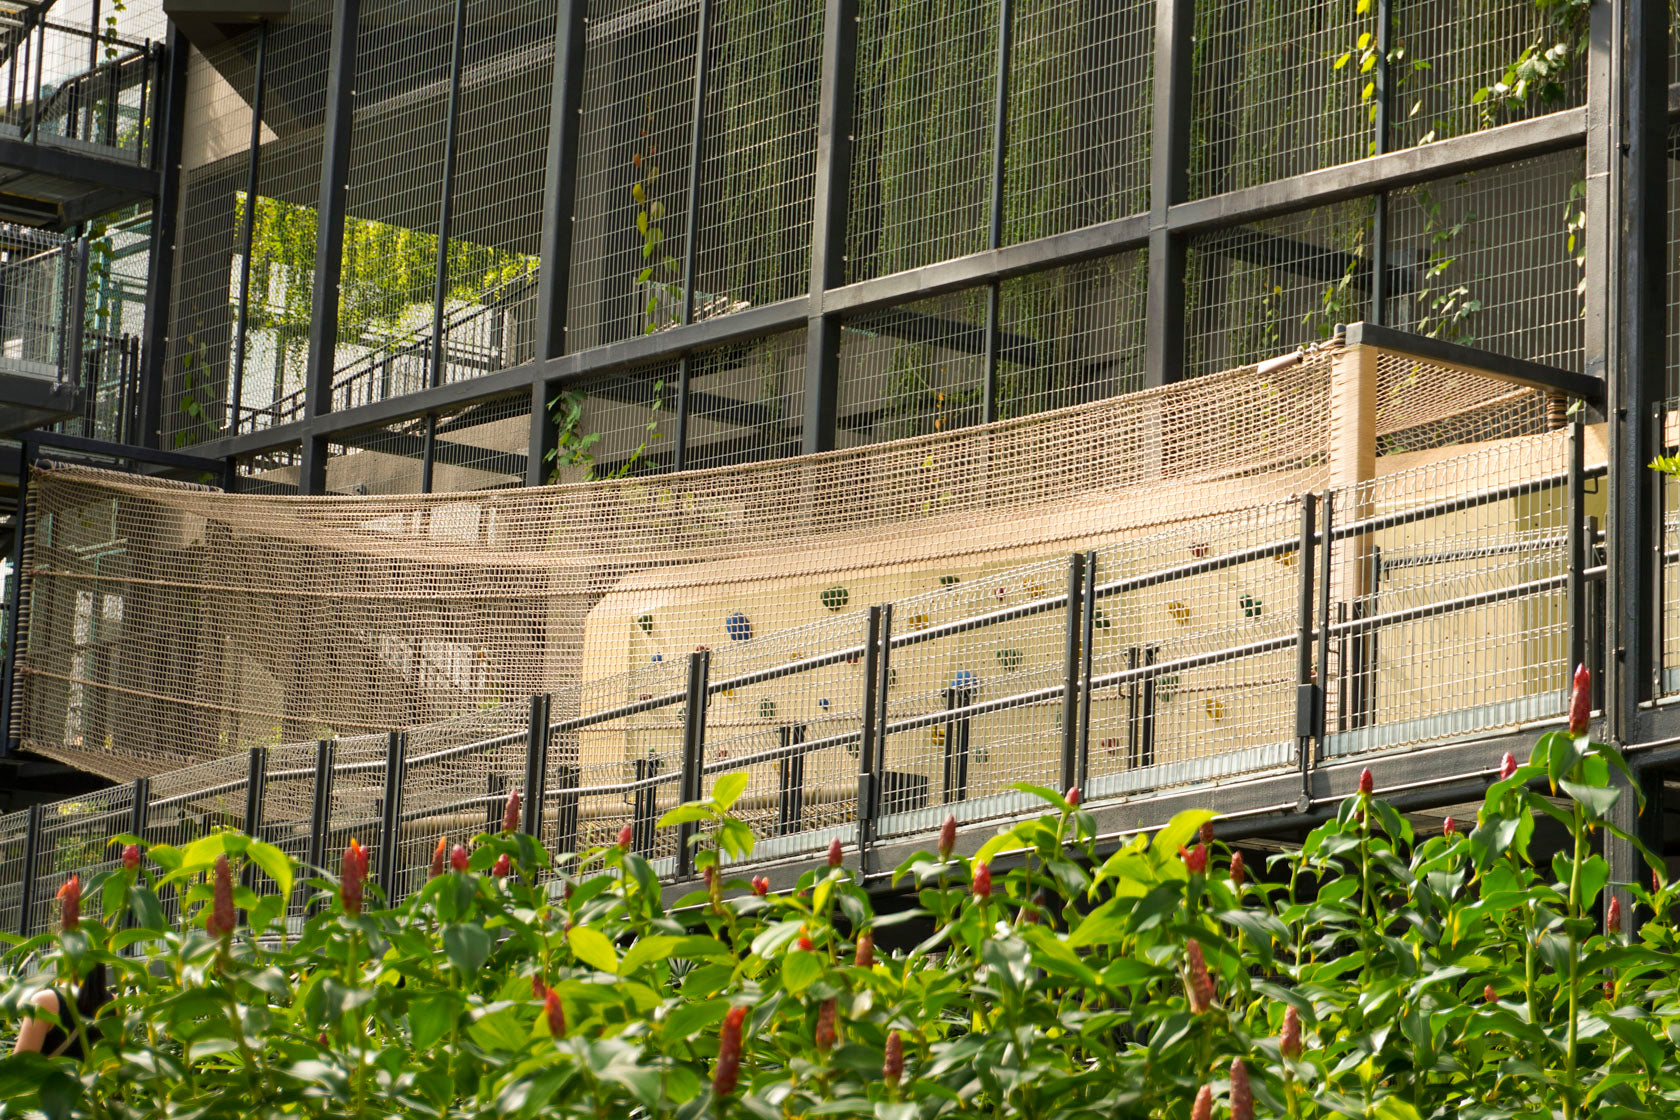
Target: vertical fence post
[(256, 774), (536, 765), (956, 746), (1070, 671), (495, 786), (868, 785), (566, 780), (31, 856), (643, 805), (693, 753), (390, 813), (1087, 649), (321, 806), (1575, 556), (1659, 539), (1306, 688), (1593, 599), (14, 611), (138, 805), (790, 800), (1327, 546)]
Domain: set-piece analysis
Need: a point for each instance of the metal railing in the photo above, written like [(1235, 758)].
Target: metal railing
[(1502, 582), (73, 88)]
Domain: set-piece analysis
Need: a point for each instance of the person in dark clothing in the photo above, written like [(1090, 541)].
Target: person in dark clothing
[(62, 1040)]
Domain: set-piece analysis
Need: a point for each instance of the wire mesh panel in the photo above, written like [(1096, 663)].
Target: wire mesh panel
[(403, 62), (1495, 259), (923, 134), (75, 840), (628, 234), (1255, 291), (284, 218), (616, 426), (491, 272), (14, 837), (269, 472), (455, 783), (1080, 98), (353, 810), (799, 795), (1464, 65), (1278, 89), (288, 813), (746, 402), (914, 369), (380, 461), (1071, 335), (75, 81), (966, 763), (37, 271), (620, 769), (1456, 621), (187, 804), (215, 166), (753, 241), (1198, 652), (482, 446)]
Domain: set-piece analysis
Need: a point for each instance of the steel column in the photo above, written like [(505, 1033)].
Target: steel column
[(31, 856), (559, 190), (1087, 651), (320, 817), (868, 787), (1000, 148), (1070, 671), (329, 238), (14, 611), (1169, 161), (1306, 686), (1575, 591), (830, 208)]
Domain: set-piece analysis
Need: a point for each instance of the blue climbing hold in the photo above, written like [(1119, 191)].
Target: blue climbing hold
[(965, 680), (658, 657), (738, 626)]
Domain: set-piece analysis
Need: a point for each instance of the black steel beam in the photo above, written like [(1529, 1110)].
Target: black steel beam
[(104, 448), (329, 241), (1518, 371), (830, 210), (565, 125), (248, 217), (165, 215), (58, 163)]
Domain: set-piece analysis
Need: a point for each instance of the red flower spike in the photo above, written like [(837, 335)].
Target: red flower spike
[(1203, 1108), (1290, 1042), (1238, 875), (892, 1065), (625, 836), (834, 856), (825, 1026), (1448, 827), (1242, 1094), (806, 943), (760, 886), (1073, 796), (1196, 859), (1507, 766), (438, 854), (1580, 701), (131, 858), (982, 881), (1613, 920), (221, 921), (948, 836), (539, 990), (1609, 989), (865, 951), (1489, 995), (70, 904), (352, 874), (556, 1014), (1366, 782), (510, 812), (458, 858), (1200, 986), (503, 868), (1206, 833), (728, 1071)]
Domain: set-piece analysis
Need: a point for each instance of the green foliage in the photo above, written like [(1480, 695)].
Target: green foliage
[(1439, 977)]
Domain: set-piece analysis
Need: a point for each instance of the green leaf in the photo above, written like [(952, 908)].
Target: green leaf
[(728, 789), (1597, 800), (690, 813), (592, 948), (654, 947), (1393, 1108), (800, 970), (276, 864), (1045, 794), (429, 1019), (467, 947), (1180, 831)]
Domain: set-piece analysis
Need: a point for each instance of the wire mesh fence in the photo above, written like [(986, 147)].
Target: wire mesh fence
[(914, 369)]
